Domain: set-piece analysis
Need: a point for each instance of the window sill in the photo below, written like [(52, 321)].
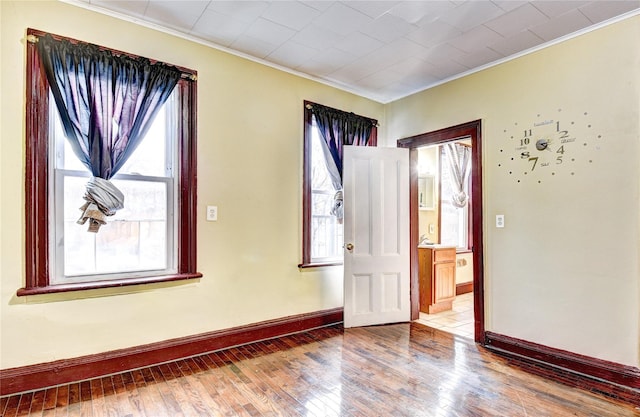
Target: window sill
[(319, 264), (80, 286)]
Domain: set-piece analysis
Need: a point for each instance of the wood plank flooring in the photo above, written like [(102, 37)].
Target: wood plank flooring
[(395, 370)]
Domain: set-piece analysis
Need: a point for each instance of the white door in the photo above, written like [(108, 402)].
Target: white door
[(376, 235)]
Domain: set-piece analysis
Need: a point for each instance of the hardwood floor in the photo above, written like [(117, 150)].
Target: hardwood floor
[(394, 370)]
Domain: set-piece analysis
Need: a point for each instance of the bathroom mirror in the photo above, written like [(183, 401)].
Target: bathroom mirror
[(426, 192)]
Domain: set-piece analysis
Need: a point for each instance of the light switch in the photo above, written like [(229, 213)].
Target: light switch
[(212, 213), (499, 220)]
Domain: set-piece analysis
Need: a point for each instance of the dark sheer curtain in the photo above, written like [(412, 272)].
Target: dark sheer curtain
[(339, 128), (107, 104)]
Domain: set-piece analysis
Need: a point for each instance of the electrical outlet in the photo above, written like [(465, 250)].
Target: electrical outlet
[(499, 220), (212, 213)]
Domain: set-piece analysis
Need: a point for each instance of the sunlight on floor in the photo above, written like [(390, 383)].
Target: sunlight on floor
[(458, 320)]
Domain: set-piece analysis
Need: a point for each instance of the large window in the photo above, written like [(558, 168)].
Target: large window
[(138, 240), (151, 239), (322, 226)]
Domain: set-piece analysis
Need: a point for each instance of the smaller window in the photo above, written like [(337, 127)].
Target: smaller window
[(454, 220), (326, 231), (322, 233)]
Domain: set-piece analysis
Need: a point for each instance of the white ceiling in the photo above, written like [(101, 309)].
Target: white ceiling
[(383, 50)]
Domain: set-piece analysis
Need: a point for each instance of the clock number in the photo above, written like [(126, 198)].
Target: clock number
[(524, 155), (560, 150), (559, 160), (535, 161), (527, 132), (563, 133), (524, 141)]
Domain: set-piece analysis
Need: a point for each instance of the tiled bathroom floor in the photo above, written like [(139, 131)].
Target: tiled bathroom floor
[(458, 320)]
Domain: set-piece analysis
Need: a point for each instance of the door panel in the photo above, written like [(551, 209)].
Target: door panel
[(376, 224), (392, 292), (362, 302)]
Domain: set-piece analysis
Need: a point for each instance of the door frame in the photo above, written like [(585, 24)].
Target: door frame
[(471, 130)]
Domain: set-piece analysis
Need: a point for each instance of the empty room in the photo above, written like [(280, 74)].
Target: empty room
[(319, 208)]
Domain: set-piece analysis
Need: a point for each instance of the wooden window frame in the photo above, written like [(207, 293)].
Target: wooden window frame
[(307, 261), (37, 243)]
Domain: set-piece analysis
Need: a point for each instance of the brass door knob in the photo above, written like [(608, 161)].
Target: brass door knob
[(349, 246)]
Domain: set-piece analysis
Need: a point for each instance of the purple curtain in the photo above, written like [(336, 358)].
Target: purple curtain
[(339, 128), (107, 104)]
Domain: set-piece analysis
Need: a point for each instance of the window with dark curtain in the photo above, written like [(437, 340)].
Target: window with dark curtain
[(55, 165), (327, 131)]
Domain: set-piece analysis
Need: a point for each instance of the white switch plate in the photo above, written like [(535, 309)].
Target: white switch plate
[(499, 220), (212, 213)]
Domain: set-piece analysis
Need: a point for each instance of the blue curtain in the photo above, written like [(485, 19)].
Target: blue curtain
[(106, 103), (339, 128)]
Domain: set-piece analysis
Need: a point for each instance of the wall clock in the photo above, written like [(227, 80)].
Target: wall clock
[(548, 146)]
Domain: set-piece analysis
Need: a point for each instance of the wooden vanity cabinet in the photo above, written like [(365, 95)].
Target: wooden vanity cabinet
[(437, 274)]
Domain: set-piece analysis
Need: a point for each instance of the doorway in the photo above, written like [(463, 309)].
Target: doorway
[(473, 132)]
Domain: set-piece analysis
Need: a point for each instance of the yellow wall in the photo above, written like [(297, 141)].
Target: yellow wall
[(464, 267), (563, 272), (250, 129)]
